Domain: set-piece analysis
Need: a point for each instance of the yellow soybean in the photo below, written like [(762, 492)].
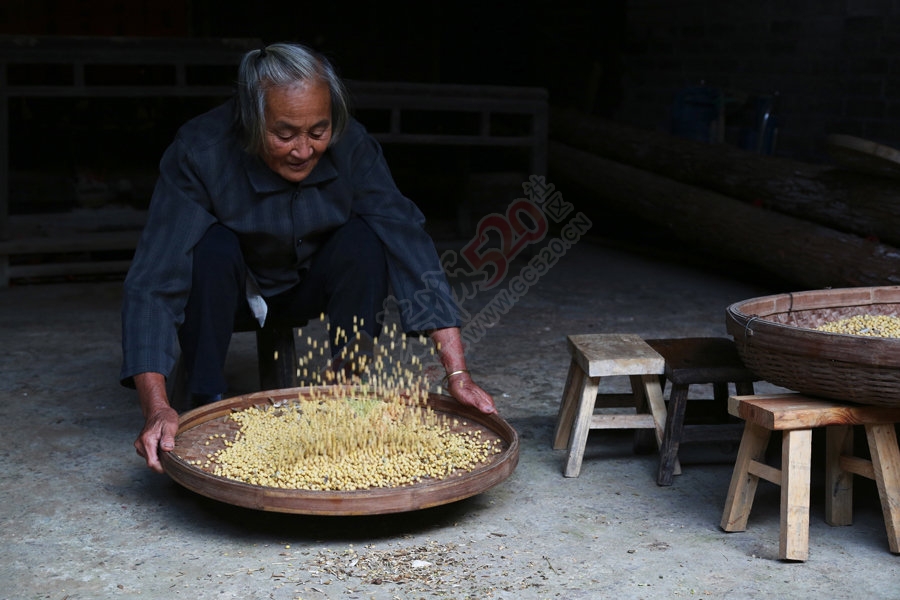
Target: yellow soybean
[(338, 442), (867, 325)]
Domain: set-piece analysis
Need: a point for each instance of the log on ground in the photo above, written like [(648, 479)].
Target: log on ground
[(811, 255), (859, 203)]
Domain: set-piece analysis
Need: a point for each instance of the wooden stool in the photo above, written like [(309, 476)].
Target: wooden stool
[(796, 415), (695, 361), (606, 355)]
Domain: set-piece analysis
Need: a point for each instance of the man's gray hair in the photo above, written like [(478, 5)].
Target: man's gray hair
[(278, 65)]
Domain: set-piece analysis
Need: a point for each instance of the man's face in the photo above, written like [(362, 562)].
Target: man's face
[(298, 129)]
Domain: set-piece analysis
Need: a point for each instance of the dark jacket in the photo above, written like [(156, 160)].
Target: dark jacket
[(206, 177)]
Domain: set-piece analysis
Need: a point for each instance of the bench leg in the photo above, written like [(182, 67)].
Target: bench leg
[(882, 440), (668, 450), (648, 400), (796, 454), (644, 439), (838, 481), (582, 425), (652, 394), (743, 388), (720, 398), (743, 483), (567, 406)]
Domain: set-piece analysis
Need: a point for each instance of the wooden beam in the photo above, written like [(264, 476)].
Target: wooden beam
[(797, 250), (840, 199)]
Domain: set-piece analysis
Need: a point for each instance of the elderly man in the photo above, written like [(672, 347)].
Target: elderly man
[(276, 206)]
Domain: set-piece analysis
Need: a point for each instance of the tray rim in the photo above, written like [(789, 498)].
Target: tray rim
[(358, 502), (747, 323)]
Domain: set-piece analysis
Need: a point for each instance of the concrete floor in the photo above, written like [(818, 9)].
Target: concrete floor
[(81, 517)]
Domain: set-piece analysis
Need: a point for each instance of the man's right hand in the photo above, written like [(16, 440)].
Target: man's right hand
[(160, 419)]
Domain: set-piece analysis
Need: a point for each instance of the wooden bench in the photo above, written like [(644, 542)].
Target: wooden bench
[(796, 415), (607, 355)]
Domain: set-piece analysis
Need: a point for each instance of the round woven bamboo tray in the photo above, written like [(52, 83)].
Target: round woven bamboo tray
[(864, 155), (777, 340), (196, 427)]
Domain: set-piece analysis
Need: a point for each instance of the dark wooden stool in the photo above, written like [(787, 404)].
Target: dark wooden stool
[(795, 416), (696, 361)]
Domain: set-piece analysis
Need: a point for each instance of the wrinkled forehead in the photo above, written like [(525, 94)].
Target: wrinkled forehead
[(298, 105)]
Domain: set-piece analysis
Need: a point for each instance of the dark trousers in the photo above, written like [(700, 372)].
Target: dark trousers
[(347, 278)]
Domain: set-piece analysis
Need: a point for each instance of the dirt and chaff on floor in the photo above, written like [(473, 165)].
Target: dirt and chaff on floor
[(82, 517)]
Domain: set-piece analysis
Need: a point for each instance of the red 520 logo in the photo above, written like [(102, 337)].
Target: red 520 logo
[(524, 223)]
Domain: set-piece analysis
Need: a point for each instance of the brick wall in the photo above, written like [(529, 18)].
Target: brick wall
[(835, 65)]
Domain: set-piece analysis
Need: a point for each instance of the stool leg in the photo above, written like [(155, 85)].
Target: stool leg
[(653, 394), (838, 482), (719, 410), (567, 406), (886, 462), (651, 388), (668, 450), (796, 453), (578, 438), (720, 392), (743, 388), (645, 440), (743, 484)]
